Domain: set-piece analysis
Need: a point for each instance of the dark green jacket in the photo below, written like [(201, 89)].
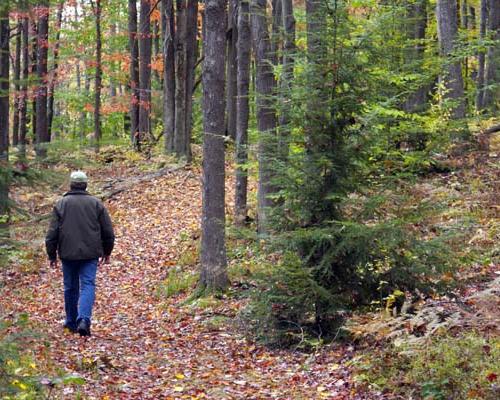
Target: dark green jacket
[(80, 228)]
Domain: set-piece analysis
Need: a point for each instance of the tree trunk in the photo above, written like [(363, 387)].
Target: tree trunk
[(491, 95), (447, 23), (213, 248), (17, 77), (98, 75), (156, 50), (42, 131), (168, 22), (79, 84), (232, 38), (276, 30), (134, 71), (287, 76), (23, 103), (317, 115), (242, 111), (144, 73), (4, 108), (34, 52), (265, 85), (53, 78), (191, 45), (180, 78), (417, 100), (463, 14)]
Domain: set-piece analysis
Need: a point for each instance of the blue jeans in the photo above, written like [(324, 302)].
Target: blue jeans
[(79, 289)]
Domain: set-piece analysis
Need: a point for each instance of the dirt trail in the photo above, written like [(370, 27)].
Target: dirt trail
[(146, 347)]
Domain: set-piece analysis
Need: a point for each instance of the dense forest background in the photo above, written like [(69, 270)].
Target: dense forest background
[(347, 151)]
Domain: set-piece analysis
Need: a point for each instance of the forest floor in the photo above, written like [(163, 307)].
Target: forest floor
[(147, 345)]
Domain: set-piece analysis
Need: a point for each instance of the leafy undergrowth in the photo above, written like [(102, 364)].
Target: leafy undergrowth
[(149, 339), (152, 339)]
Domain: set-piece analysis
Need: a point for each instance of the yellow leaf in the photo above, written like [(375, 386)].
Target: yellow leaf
[(178, 389), (179, 376)]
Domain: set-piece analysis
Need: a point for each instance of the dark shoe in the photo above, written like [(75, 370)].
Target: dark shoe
[(83, 327), (70, 328)]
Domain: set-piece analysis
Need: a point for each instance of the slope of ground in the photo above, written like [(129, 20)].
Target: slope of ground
[(144, 346), (148, 346)]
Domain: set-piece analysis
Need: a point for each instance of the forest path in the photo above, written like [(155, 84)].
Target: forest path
[(145, 346)]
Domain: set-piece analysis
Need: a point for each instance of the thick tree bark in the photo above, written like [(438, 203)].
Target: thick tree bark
[(213, 248), (98, 75), (23, 102), (232, 38), (168, 22), (53, 78), (242, 111), (491, 95), (287, 76), (447, 23), (17, 77), (42, 137), (145, 42), (265, 85), (4, 106), (134, 71)]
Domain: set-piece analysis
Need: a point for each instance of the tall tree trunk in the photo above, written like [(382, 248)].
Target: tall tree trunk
[(317, 115), (98, 75), (242, 111), (156, 50), (492, 74), (184, 55), (464, 24), (213, 248), (23, 103), (4, 109), (53, 78), (417, 100), (481, 56), (287, 76), (191, 51), (463, 14), (144, 73), (276, 30), (42, 137), (134, 71), (180, 78), (168, 23), (232, 38), (265, 85), (447, 22), (34, 63), (81, 123), (17, 94)]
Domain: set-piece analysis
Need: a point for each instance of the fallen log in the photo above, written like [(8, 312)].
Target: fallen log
[(124, 185)]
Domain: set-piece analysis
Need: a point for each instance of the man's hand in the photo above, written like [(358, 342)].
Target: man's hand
[(104, 260), (53, 263)]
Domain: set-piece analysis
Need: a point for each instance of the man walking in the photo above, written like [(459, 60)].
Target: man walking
[(80, 232)]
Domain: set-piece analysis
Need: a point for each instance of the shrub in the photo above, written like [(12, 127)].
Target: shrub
[(466, 367)]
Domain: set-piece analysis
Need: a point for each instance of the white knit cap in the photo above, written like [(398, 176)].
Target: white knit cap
[(78, 176)]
